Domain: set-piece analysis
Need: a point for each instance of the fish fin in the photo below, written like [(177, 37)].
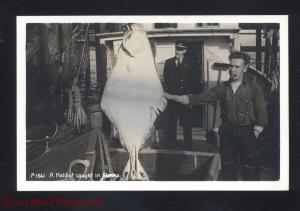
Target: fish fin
[(162, 104), (158, 108), (126, 51), (132, 43)]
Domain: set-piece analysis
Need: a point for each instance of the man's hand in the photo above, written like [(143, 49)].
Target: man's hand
[(178, 98), (167, 96), (257, 130), (256, 133)]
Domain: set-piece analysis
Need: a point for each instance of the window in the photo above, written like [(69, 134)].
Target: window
[(111, 27), (165, 25), (207, 25)]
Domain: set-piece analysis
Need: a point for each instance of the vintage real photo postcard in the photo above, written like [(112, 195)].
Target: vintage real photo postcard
[(152, 103)]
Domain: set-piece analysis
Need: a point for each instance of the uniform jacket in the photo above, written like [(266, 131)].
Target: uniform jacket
[(181, 79), (247, 106)]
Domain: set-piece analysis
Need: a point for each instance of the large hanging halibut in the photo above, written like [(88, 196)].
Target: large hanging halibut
[(133, 97)]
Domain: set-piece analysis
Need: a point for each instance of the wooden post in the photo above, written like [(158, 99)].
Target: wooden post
[(101, 68), (258, 48), (274, 49), (44, 51), (101, 153), (106, 151), (267, 54)]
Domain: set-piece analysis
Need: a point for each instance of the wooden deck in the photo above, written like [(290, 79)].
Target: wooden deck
[(160, 164)]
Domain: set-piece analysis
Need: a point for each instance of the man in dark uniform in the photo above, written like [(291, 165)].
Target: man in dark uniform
[(180, 78), (243, 113)]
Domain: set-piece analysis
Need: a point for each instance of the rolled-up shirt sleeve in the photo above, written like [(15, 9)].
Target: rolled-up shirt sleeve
[(208, 97), (260, 107)]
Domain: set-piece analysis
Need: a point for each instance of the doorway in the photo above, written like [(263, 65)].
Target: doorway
[(195, 52), (165, 49)]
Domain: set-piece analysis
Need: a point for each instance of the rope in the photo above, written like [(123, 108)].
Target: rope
[(85, 163), (47, 137), (76, 114), (82, 54)]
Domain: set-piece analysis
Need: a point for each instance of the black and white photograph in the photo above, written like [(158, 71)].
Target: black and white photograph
[(152, 103)]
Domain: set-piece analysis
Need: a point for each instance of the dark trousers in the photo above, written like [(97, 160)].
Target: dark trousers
[(238, 145), (183, 113)]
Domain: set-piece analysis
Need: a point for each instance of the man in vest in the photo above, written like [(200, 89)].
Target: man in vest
[(180, 78), (244, 116)]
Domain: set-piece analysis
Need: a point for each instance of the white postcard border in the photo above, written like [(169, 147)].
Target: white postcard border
[(23, 185)]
